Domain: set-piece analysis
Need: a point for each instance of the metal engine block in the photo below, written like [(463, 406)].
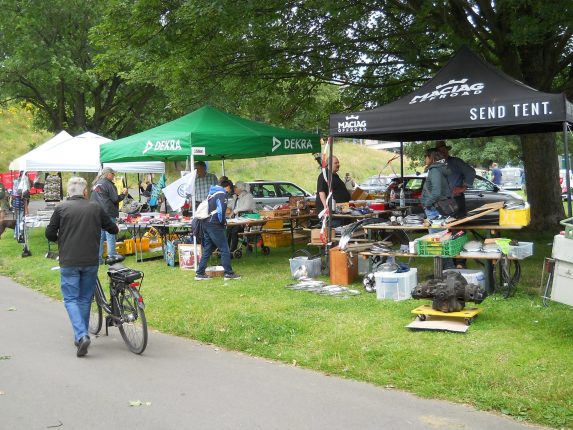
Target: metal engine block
[(449, 294)]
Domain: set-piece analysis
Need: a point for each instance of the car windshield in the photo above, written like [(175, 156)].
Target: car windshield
[(290, 190), (483, 184)]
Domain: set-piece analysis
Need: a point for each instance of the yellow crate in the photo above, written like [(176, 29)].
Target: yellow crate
[(141, 244), (274, 223), (276, 240), (514, 216)]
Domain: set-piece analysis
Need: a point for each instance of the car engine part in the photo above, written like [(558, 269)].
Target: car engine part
[(449, 294)]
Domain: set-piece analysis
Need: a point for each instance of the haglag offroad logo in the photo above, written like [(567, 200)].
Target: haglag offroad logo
[(454, 88), (291, 144), (163, 145), (352, 124)]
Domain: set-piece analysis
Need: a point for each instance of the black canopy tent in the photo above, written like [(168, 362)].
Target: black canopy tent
[(468, 97)]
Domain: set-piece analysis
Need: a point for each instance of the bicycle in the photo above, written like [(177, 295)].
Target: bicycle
[(125, 308)]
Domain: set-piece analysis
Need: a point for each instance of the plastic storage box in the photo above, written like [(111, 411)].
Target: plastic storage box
[(475, 277), (312, 266), (395, 286), (514, 216), (276, 240), (521, 251)]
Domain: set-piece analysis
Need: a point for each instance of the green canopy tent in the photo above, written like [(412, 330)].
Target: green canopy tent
[(209, 134)]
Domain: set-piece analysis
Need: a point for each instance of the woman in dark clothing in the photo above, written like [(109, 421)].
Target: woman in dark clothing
[(435, 188)]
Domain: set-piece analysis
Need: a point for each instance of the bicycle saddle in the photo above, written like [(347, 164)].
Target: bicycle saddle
[(113, 259)]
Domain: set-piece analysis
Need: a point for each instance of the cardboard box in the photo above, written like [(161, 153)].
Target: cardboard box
[(343, 267), (186, 255), (359, 194), (315, 235)]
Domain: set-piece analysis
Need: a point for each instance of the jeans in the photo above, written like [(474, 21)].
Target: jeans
[(214, 237), (110, 238), (78, 284)]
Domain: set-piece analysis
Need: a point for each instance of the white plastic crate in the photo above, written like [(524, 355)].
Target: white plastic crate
[(471, 276), (312, 266), (395, 286), (521, 251)]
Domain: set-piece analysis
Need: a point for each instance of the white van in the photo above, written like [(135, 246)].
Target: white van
[(512, 178)]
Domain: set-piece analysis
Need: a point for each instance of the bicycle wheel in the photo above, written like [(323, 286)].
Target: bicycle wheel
[(96, 312), (133, 327)]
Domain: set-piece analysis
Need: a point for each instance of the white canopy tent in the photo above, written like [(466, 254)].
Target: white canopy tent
[(81, 154), (21, 163)]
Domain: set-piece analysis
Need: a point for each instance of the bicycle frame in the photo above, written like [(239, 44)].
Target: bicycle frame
[(124, 309)]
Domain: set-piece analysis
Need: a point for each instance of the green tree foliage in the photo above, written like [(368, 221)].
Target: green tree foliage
[(48, 61), (251, 54)]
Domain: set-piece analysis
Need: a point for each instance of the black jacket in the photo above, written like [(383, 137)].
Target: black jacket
[(105, 193), (76, 225)]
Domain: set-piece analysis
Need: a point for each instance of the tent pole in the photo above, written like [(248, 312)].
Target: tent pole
[(402, 160), (192, 161), (567, 169), (223, 167), (331, 207)]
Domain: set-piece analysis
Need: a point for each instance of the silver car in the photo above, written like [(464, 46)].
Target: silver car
[(274, 193)]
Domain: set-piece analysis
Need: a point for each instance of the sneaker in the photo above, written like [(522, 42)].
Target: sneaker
[(231, 276), (201, 277)]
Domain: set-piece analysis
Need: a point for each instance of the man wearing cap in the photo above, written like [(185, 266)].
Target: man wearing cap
[(105, 194), (203, 182), (461, 175)]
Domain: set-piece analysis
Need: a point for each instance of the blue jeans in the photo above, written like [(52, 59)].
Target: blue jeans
[(78, 284), (110, 238), (214, 237)]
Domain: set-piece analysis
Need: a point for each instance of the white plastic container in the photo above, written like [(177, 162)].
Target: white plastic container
[(395, 286), (475, 277), (312, 266)]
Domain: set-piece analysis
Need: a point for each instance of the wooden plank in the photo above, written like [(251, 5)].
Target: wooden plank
[(494, 205), (468, 218)]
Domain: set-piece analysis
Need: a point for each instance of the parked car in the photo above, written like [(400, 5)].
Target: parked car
[(563, 182), (512, 178), (376, 184), (273, 193), (482, 192)]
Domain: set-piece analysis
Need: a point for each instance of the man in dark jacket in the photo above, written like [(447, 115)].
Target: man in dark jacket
[(214, 234), (76, 225), (105, 194)]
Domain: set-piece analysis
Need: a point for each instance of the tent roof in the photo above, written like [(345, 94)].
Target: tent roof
[(220, 134), (468, 97), (21, 163), (81, 154)]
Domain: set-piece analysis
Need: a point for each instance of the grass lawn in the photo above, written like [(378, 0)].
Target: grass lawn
[(517, 357)]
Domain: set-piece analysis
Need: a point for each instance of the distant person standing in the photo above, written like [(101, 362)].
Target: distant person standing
[(349, 182), (105, 194), (203, 182), (76, 225), (496, 174)]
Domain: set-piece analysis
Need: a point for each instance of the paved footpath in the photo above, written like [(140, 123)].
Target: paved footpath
[(183, 384)]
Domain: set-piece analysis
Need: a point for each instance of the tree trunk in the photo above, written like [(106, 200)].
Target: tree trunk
[(542, 181)]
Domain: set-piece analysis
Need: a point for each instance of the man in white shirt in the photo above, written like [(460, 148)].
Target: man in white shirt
[(241, 203)]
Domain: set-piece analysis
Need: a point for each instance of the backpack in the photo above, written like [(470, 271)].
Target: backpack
[(202, 211)]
